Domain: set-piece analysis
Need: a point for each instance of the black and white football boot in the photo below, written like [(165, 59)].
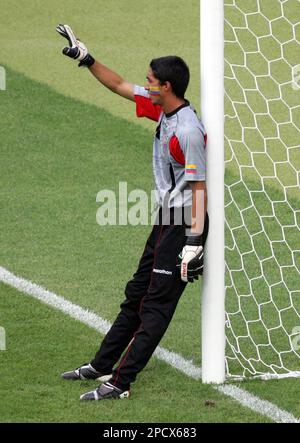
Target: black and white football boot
[(106, 391), (86, 372)]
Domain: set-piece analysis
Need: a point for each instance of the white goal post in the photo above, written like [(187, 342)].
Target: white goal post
[(250, 107), (212, 114)]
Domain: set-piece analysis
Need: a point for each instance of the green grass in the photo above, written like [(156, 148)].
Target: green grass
[(63, 139), (51, 214), (42, 343), (48, 208), (123, 35)]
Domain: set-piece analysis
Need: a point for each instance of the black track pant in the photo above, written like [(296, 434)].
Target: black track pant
[(151, 299)]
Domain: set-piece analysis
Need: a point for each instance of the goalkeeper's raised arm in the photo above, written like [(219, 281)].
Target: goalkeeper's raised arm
[(112, 80), (78, 51)]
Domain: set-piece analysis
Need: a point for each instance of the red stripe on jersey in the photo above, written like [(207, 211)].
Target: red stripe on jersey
[(176, 151), (205, 139), (145, 108)]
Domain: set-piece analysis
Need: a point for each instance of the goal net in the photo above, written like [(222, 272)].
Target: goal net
[(262, 194)]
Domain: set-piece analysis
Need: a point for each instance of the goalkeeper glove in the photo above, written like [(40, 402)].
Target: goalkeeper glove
[(191, 259), (76, 49)]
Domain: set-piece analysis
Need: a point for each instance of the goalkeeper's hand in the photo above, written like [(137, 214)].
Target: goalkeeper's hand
[(191, 259), (76, 49)]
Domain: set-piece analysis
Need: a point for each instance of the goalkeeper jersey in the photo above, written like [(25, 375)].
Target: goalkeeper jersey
[(178, 149)]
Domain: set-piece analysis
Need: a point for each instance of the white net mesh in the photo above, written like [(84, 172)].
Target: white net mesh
[(262, 142)]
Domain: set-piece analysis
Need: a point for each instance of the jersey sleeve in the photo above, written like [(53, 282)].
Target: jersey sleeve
[(193, 145), (144, 105)]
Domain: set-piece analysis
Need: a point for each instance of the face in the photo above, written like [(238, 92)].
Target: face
[(156, 90)]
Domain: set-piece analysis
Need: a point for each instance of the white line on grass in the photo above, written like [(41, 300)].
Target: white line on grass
[(96, 322), (89, 318)]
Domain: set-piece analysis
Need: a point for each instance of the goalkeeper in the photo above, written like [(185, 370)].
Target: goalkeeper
[(173, 253)]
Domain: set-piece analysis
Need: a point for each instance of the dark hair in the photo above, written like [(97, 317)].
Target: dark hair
[(174, 70)]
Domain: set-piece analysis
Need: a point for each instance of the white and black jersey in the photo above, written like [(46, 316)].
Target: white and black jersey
[(179, 155)]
